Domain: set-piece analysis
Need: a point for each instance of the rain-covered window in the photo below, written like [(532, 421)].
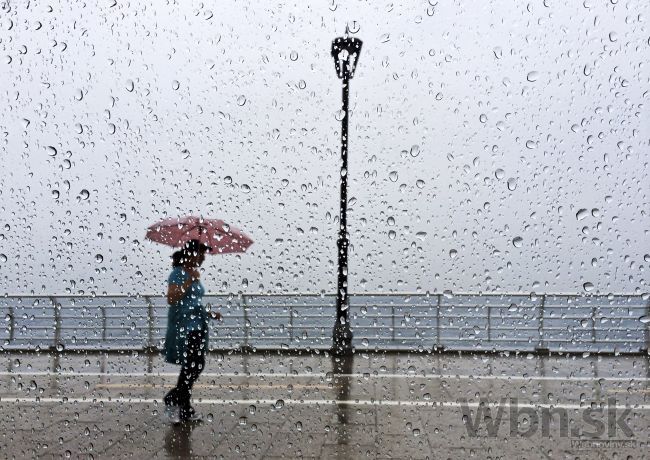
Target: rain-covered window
[(412, 229)]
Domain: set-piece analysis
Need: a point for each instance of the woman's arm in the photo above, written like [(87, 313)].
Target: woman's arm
[(175, 292)]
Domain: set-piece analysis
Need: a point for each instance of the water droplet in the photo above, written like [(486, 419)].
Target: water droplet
[(175, 85), (581, 214), (51, 151), (392, 234), (512, 184), (55, 194), (588, 287), (241, 100), (393, 176), (415, 151), (354, 27), (531, 144), (227, 180), (645, 319), (84, 194), (302, 84), (99, 258), (419, 183), (453, 253), (482, 118), (498, 52), (518, 242), (279, 404), (3, 258), (613, 36), (293, 56), (78, 95), (499, 173), (532, 76), (130, 86), (245, 188), (185, 154)]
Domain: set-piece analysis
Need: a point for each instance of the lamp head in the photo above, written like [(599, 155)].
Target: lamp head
[(345, 51)]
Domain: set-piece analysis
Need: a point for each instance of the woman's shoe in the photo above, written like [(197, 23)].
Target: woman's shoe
[(173, 414)]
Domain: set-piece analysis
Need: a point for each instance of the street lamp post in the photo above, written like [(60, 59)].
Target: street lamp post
[(345, 51)]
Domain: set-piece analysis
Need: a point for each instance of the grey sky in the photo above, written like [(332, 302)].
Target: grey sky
[(164, 110)]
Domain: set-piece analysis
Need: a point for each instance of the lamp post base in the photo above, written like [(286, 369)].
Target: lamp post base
[(342, 338)]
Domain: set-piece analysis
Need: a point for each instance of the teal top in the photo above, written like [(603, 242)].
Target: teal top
[(186, 315)]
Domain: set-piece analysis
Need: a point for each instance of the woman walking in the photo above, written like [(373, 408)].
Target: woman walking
[(186, 340)]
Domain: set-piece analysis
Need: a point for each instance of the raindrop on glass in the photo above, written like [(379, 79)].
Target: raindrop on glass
[(581, 214)]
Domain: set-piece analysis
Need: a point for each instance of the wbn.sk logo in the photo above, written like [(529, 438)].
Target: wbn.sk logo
[(525, 419)]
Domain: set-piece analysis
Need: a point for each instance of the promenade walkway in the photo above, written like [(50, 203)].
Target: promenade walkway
[(273, 405)]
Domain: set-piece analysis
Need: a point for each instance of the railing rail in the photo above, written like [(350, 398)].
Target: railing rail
[(380, 321)]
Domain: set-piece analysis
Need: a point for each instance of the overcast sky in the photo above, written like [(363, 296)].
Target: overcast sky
[(494, 145)]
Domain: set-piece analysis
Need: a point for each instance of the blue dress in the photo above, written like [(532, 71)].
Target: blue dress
[(184, 316)]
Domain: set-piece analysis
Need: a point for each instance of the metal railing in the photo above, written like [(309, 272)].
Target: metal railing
[(416, 322)]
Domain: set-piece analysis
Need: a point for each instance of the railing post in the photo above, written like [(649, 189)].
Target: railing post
[(57, 322), (392, 315), (12, 325), (246, 328), (102, 309), (150, 322), (489, 321), (290, 325), (540, 344), (593, 324)]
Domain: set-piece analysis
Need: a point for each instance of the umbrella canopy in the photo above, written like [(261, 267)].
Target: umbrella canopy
[(221, 237)]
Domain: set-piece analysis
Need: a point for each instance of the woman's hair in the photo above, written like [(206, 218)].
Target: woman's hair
[(191, 248), (177, 258)]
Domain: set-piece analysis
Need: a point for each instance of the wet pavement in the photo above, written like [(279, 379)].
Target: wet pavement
[(393, 405)]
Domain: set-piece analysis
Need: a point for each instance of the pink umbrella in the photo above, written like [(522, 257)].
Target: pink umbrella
[(217, 234)]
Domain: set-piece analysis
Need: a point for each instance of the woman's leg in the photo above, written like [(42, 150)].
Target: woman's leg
[(190, 371)]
